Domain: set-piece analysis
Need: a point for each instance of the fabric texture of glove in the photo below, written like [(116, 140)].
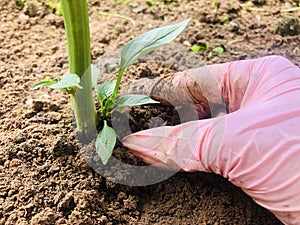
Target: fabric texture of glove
[(256, 145)]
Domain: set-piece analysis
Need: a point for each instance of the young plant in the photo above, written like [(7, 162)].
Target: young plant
[(219, 49), (198, 48), (78, 83), (55, 5), (21, 3), (108, 92)]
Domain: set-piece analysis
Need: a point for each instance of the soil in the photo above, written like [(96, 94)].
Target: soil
[(44, 177)]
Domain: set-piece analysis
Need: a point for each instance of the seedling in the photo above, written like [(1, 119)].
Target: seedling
[(198, 48), (21, 3), (215, 4), (78, 83), (108, 92), (55, 5), (225, 20), (219, 49)]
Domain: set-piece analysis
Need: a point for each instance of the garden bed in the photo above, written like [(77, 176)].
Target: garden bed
[(44, 178)]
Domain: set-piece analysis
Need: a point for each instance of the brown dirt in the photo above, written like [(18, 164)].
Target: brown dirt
[(45, 180)]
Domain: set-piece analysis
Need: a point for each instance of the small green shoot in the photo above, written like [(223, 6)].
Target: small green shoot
[(108, 91), (214, 3), (150, 2), (198, 48), (225, 20), (55, 5), (21, 3), (219, 49)]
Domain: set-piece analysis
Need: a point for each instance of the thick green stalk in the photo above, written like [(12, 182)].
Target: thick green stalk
[(76, 20)]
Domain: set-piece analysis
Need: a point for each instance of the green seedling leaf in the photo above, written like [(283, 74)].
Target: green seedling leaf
[(58, 10), (219, 49), (224, 19), (105, 143), (226, 24), (197, 48), (67, 81), (43, 83), (207, 45), (150, 2), (106, 90), (214, 3), (95, 73), (149, 41), (134, 100)]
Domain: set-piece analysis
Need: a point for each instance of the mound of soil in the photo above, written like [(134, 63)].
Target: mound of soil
[(44, 177)]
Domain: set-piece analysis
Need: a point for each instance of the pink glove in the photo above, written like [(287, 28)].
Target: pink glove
[(256, 145)]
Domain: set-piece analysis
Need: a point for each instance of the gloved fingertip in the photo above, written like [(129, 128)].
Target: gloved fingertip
[(136, 142), (136, 138), (139, 146), (146, 139)]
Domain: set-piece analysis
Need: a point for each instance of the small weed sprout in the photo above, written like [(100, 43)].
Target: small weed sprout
[(21, 3), (55, 5), (219, 49), (82, 77)]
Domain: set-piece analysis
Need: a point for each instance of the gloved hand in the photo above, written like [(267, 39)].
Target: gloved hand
[(255, 145)]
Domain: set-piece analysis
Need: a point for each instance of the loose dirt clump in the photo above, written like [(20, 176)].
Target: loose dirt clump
[(288, 26)]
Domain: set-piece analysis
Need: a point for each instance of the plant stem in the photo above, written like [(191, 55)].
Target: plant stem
[(118, 82), (76, 21)]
